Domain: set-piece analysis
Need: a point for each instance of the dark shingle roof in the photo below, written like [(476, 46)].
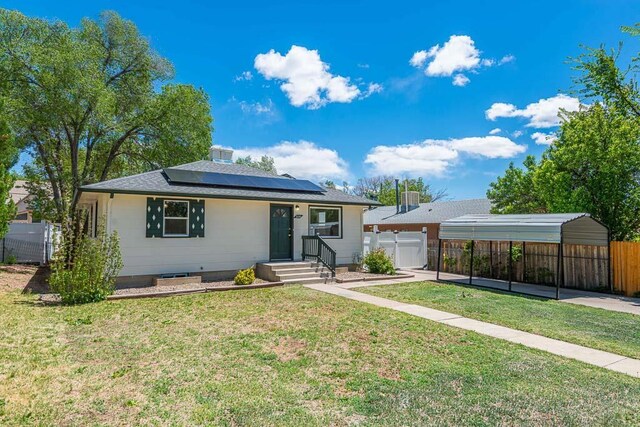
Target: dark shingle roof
[(155, 183), (427, 213)]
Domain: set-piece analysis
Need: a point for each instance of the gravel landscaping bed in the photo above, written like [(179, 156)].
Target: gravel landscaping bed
[(164, 289)]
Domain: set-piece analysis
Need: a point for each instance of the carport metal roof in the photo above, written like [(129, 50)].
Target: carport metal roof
[(570, 228)]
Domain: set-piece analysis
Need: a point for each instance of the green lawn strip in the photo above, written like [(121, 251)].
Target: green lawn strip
[(592, 327), (282, 356)]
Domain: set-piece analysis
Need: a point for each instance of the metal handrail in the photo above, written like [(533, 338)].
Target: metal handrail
[(315, 247)]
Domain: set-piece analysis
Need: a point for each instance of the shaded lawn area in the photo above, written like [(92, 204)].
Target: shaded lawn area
[(282, 356), (592, 327)]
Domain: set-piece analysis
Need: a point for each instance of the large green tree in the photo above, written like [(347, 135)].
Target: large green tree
[(594, 167), (602, 78), (8, 158), (92, 103), (515, 191)]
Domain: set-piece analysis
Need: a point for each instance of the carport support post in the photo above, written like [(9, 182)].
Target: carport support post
[(439, 254), (510, 262), (491, 259), (524, 262), (560, 273), (471, 265)]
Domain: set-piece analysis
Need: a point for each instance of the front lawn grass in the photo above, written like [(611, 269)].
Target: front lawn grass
[(591, 327), (282, 356)]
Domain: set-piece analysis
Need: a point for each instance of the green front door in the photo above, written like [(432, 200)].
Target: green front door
[(280, 232)]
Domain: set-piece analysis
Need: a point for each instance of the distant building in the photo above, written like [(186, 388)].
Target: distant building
[(20, 196), (414, 217)]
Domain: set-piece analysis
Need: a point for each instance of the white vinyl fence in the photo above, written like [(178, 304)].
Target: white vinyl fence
[(31, 243), (408, 249)]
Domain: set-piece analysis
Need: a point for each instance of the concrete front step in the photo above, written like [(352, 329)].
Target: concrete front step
[(301, 270), (276, 266), (283, 277), (308, 280), (293, 272)]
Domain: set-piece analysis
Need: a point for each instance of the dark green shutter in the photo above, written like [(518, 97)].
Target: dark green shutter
[(154, 222), (196, 218)]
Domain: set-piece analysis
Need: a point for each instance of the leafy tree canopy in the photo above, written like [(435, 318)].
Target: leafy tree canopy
[(383, 189), (265, 163), (93, 103), (594, 167), (8, 158)]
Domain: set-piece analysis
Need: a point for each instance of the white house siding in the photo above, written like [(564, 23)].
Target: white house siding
[(236, 236)]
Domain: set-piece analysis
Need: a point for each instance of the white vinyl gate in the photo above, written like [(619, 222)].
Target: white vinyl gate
[(29, 242), (407, 249)]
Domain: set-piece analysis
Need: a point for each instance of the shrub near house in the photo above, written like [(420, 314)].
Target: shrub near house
[(378, 262)]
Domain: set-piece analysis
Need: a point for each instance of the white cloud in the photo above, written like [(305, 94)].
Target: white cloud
[(495, 131), (433, 157), (541, 138), (541, 114), (258, 108), (506, 59), (460, 80), (306, 78), (457, 55), (517, 133), (372, 88), (244, 76), (419, 58), (302, 159)]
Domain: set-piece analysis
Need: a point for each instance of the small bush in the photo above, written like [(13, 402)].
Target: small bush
[(89, 274), (378, 262), (245, 277), (11, 259)]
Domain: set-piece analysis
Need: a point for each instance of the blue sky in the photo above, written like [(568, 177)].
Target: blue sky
[(405, 88)]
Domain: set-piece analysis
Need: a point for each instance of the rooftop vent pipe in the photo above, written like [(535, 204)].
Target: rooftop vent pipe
[(397, 196)]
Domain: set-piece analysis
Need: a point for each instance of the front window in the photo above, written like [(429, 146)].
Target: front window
[(176, 218), (325, 222)]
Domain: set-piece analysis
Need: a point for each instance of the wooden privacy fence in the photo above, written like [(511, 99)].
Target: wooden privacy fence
[(625, 266), (585, 267)]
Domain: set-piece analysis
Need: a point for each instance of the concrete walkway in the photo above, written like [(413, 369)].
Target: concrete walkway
[(572, 296), (603, 359)]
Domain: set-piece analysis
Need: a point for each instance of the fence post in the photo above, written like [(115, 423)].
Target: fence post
[(425, 249), (396, 251), (374, 238)]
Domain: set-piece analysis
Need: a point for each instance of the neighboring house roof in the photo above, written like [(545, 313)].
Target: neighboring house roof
[(427, 213), (19, 192), (156, 183), (571, 228)]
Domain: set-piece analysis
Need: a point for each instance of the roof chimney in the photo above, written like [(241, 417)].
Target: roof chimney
[(219, 154)]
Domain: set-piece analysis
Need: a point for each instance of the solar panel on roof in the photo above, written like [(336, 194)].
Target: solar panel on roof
[(182, 176)]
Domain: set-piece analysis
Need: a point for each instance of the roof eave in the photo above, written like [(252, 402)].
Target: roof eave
[(226, 196)]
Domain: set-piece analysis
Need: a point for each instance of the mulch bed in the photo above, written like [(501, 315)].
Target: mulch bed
[(359, 276), (162, 291)]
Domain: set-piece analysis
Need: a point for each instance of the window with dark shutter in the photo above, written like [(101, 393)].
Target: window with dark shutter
[(154, 217), (196, 218), (175, 218)]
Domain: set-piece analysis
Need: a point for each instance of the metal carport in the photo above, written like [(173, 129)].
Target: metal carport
[(560, 229)]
